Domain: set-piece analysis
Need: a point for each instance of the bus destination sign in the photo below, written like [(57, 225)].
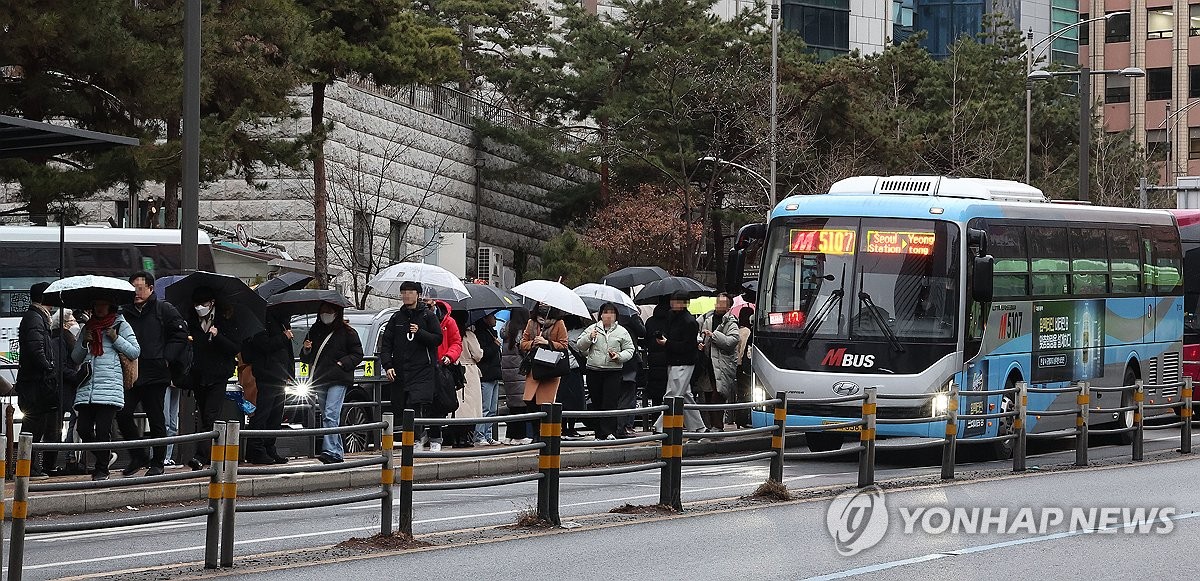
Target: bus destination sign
[(822, 241), (884, 242)]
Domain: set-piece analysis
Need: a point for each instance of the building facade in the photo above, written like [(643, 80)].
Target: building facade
[(1163, 38)]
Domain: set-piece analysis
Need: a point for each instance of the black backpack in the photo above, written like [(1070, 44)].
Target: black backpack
[(179, 357)]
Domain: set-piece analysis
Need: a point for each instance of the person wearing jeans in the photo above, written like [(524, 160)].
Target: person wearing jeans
[(490, 375), (332, 350), (171, 411)]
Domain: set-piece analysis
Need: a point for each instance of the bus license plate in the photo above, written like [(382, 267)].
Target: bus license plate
[(849, 429)]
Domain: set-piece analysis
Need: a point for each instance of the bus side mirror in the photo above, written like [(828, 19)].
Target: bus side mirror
[(735, 271), (978, 239), (981, 285)]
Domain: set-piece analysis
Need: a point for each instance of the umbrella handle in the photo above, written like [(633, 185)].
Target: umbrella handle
[(412, 336)]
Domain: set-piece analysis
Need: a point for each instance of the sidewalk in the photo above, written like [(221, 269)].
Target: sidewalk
[(425, 469)]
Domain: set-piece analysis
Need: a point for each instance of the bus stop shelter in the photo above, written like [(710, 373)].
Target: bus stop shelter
[(30, 139)]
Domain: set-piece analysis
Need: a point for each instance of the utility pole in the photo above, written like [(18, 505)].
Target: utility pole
[(189, 226)]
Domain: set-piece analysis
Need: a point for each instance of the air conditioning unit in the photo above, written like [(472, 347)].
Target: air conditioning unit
[(489, 265)]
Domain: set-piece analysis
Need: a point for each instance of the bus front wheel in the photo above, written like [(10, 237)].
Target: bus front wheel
[(824, 441)]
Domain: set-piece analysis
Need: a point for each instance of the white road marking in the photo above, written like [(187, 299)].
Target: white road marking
[(977, 549)]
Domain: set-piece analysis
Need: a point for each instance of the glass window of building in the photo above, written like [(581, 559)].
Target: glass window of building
[(1064, 49), (1085, 29), (945, 21), (1116, 89), (1194, 20), (1194, 143), (1194, 81), (1160, 23), (902, 20), (823, 24), (1117, 29), (1156, 143), (1158, 84)]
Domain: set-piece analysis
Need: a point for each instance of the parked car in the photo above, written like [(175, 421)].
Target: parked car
[(369, 325)]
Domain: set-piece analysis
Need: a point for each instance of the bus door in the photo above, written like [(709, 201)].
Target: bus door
[(1161, 282)]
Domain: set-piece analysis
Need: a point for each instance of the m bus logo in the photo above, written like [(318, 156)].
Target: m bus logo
[(1010, 325), (839, 358)]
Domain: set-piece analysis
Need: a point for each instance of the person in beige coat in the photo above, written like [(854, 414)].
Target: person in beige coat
[(470, 398)]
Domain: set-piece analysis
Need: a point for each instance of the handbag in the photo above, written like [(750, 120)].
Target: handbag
[(129, 371), (245, 378), (445, 397), (549, 363)]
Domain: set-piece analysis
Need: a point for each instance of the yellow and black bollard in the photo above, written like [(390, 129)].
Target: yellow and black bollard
[(1021, 427), (950, 446), (550, 462), (779, 437), (1185, 440), (228, 454), (20, 510), (866, 458), (212, 531), (1083, 399), (1139, 421), (408, 420), (387, 474)]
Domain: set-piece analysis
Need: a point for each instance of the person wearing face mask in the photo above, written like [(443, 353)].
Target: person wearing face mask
[(545, 328), (332, 350), (677, 337), (607, 347), (216, 337)]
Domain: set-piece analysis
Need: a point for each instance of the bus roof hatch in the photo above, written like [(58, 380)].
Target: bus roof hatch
[(950, 187)]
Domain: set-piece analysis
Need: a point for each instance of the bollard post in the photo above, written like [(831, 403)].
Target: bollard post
[(387, 475), (665, 452), (1185, 441), (1139, 427), (551, 432), (229, 454), (3, 468), (950, 446), (671, 489), (1083, 399), (212, 529), (777, 439), (1020, 427), (408, 420), (16, 551), (866, 458)]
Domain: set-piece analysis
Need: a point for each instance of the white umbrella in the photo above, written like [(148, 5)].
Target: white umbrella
[(436, 282), (554, 294), (81, 291), (594, 294)]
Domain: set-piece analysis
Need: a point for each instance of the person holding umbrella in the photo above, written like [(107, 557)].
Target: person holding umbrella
[(37, 383), (270, 353), (217, 337), (408, 352), (545, 328), (332, 350), (679, 338), (102, 394)]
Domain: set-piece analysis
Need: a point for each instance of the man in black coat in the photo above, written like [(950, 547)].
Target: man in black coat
[(272, 357), (680, 339), (490, 374), (627, 398), (408, 354), (162, 334), (216, 340), (38, 388)]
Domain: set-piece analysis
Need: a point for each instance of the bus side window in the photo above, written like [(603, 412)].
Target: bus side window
[(1163, 262), (1006, 243), (1124, 262), (1049, 258), (1089, 262)]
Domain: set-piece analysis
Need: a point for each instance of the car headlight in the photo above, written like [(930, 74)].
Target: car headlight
[(300, 388)]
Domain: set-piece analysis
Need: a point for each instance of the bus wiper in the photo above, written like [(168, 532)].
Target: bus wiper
[(818, 318), (864, 298)]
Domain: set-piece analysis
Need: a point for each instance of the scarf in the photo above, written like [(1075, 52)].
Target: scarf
[(95, 328)]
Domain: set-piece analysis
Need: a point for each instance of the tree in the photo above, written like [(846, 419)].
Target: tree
[(384, 40), (571, 260), (645, 227)]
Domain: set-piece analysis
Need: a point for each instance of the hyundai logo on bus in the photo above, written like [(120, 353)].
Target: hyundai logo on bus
[(858, 520), (845, 388)]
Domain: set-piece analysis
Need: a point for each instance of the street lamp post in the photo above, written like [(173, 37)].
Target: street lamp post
[(774, 97), (1166, 124), (1085, 114), (1029, 60)]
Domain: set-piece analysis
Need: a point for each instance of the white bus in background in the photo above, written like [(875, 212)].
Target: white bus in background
[(29, 254)]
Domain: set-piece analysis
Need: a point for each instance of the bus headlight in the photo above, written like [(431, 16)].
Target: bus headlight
[(941, 404), (757, 393)]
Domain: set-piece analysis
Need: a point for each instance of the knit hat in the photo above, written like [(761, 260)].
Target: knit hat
[(36, 291)]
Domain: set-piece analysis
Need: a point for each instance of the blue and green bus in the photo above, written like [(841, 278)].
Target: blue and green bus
[(918, 283)]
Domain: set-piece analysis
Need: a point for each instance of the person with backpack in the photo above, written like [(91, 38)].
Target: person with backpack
[(270, 354), (332, 350), (216, 338), (163, 334)]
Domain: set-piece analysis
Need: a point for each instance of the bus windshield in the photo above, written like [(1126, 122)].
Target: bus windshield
[(868, 279)]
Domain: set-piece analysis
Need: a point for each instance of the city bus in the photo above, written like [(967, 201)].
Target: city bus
[(29, 254), (1189, 237), (917, 283)]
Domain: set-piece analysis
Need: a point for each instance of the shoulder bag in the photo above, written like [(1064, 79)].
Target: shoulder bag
[(129, 368)]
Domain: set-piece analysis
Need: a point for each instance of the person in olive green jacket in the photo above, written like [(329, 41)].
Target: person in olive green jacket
[(607, 346)]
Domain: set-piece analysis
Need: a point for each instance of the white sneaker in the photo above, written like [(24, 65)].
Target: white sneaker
[(611, 437), (435, 447), (524, 441)]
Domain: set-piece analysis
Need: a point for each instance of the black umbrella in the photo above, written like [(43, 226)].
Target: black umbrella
[(666, 287), (229, 290), (486, 298), (288, 281), (631, 276), (304, 302)]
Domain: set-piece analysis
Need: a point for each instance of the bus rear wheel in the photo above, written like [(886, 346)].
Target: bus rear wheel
[(824, 441), (1125, 419), (1003, 450)]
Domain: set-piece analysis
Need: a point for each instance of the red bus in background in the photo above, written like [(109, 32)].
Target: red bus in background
[(1189, 237)]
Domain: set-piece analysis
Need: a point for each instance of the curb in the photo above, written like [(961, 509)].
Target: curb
[(79, 502)]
